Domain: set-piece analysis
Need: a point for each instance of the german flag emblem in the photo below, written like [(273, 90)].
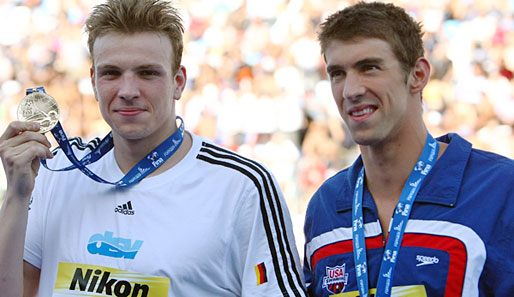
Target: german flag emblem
[(260, 271)]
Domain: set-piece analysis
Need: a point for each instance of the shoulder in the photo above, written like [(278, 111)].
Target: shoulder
[(338, 189), (491, 174), (226, 161), (340, 181), (476, 161), (492, 162), (334, 194)]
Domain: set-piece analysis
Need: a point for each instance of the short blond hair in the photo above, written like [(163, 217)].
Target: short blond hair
[(135, 16)]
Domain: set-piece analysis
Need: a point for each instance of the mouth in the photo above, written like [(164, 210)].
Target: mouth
[(129, 111), (361, 113)]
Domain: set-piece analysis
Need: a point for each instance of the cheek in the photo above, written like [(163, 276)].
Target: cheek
[(162, 106), (337, 95), (95, 93), (104, 91), (103, 96), (104, 109)]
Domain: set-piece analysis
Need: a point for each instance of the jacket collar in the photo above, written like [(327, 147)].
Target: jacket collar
[(441, 186)]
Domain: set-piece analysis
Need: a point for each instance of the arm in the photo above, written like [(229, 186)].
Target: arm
[(272, 266), (30, 279), (21, 149)]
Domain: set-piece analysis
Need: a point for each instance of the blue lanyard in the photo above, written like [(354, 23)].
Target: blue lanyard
[(144, 167), (425, 163)]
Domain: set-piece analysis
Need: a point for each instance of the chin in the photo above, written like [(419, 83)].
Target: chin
[(363, 141), (366, 139), (131, 133)]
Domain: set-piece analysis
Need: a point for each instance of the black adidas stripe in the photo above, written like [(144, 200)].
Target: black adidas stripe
[(279, 208), (80, 145), (263, 212), (267, 181)]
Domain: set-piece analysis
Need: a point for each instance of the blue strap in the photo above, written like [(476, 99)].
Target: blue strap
[(401, 215)]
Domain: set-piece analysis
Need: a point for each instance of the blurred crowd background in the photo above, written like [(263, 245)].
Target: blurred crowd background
[(257, 83)]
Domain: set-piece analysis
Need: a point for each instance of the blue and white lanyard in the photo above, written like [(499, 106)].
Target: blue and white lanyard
[(144, 167), (425, 163)]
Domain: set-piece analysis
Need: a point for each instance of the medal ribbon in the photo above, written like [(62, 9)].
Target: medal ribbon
[(401, 215), (144, 167)]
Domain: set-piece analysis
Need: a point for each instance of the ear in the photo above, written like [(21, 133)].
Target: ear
[(180, 80), (419, 75)]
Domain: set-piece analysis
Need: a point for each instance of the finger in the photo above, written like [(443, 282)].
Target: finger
[(16, 127), (22, 137), (35, 148), (20, 157)]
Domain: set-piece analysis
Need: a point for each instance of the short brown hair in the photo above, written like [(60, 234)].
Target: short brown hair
[(376, 20), (134, 16)]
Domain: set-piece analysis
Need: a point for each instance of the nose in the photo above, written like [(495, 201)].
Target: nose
[(353, 87), (128, 89)]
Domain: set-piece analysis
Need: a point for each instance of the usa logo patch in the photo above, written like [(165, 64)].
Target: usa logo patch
[(335, 279)]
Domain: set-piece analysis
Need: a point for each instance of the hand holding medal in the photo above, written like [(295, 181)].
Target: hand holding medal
[(22, 147)]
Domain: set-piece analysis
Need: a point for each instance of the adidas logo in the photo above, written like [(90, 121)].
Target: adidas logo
[(125, 209)]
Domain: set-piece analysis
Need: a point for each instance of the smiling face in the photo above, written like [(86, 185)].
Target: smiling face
[(373, 94), (133, 82)]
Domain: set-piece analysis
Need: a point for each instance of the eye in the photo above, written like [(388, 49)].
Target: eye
[(336, 74), (109, 73), (149, 73), (369, 67)]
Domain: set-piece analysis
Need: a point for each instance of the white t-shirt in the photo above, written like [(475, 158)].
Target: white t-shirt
[(215, 224)]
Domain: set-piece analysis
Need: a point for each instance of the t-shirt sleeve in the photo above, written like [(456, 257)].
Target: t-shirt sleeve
[(265, 246)]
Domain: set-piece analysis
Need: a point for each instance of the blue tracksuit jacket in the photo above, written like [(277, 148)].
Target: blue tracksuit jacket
[(459, 239)]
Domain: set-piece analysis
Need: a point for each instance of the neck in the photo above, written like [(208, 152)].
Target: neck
[(388, 165), (129, 152)]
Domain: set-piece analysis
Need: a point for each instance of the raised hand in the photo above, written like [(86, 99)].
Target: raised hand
[(21, 149)]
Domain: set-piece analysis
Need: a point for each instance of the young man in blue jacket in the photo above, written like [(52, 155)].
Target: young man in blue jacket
[(413, 216)]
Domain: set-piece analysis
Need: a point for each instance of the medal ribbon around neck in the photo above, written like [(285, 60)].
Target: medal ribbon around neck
[(401, 215), (144, 167)]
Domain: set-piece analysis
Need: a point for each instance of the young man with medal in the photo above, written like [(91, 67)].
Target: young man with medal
[(413, 216), (150, 210)]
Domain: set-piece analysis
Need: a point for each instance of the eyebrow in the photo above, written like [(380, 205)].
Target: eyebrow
[(140, 67), (149, 66), (333, 67), (357, 64), (102, 66), (368, 61)]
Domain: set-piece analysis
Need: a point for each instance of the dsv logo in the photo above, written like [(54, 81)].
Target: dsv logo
[(116, 247)]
